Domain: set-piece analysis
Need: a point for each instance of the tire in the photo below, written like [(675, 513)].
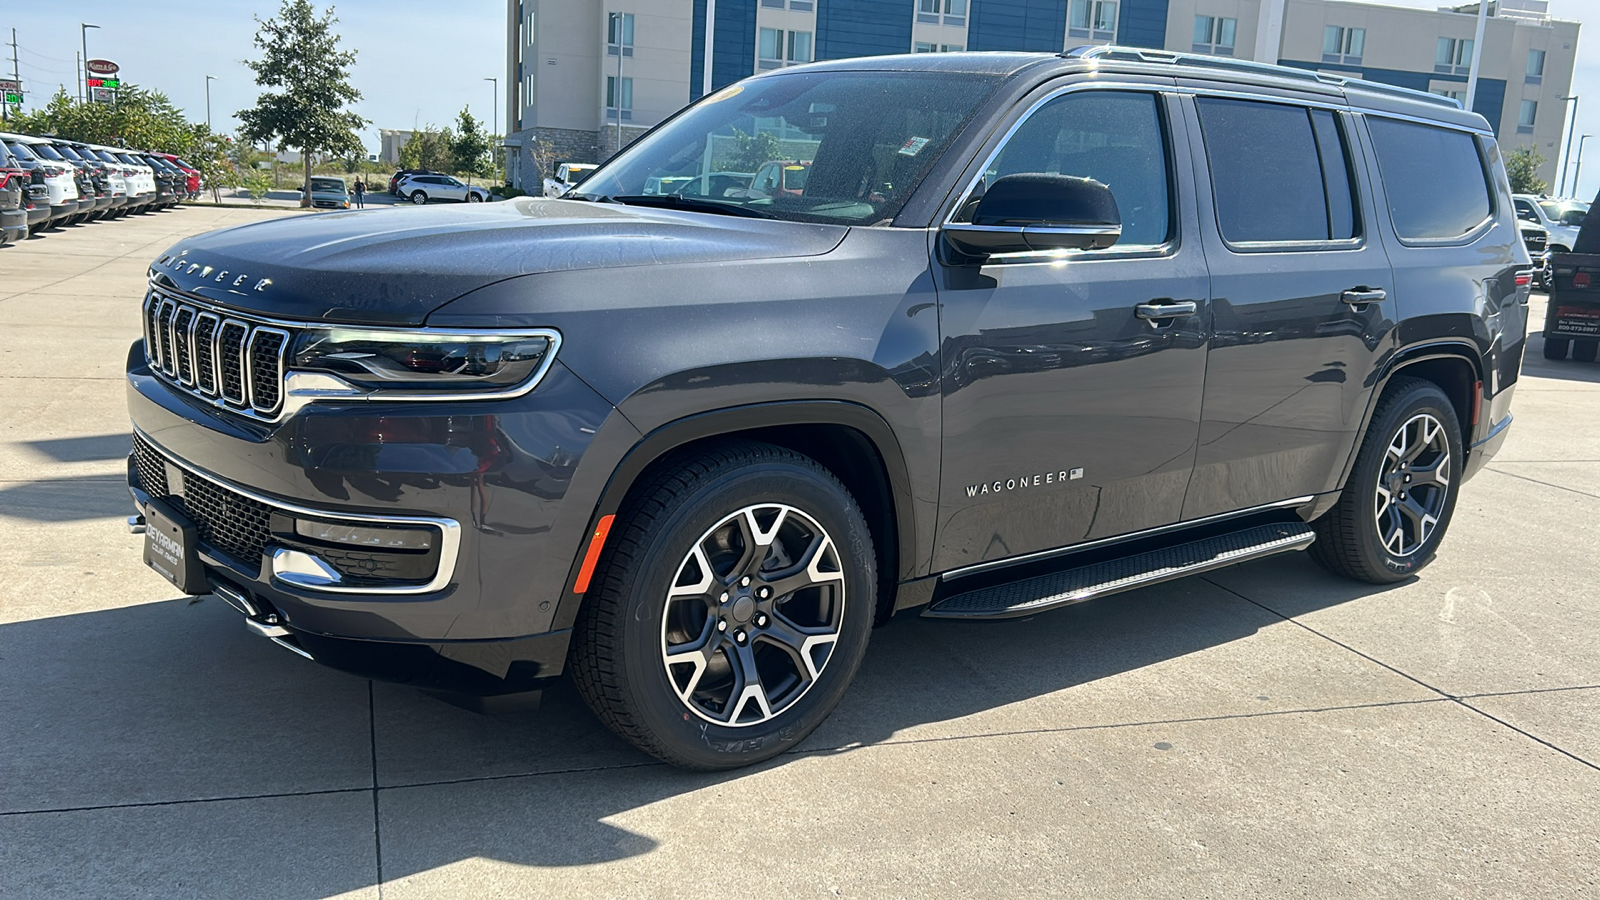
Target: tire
[(419, 198), (1584, 351), (472, 197), (658, 586), (1555, 348), (1380, 530)]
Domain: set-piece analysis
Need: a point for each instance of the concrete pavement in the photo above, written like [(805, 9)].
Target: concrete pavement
[(1265, 730)]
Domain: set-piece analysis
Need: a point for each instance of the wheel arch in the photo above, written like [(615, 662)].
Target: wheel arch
[(852, 441)]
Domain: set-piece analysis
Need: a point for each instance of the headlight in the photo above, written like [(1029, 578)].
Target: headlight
[(425, 362)]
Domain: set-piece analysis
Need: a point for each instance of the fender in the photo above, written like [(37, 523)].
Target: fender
[(680, 432), (1441, 349)]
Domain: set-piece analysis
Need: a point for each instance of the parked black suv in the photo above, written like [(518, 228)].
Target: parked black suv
[(1037, 329)]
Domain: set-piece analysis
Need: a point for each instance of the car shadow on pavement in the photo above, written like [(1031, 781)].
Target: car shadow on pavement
[(69, 499), (94, 448), (204, 711), (1569, 369)]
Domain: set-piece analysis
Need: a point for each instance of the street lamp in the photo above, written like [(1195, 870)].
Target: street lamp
[(83, 34), (1579, 170), (496, 132), (1572, 125), (209, 79)]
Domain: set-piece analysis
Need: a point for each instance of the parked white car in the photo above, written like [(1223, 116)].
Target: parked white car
[(59, 177), (1562, 218), (568, 175), (419, 189)]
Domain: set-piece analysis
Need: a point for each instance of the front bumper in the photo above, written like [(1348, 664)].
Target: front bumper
[(499, 473)]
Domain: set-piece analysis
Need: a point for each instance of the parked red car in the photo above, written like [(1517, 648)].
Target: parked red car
[(191, 171)]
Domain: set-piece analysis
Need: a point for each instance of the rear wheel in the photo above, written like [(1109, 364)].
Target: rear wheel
[(1584, 351), (731, 608), (1396, 506), (1555, 348)]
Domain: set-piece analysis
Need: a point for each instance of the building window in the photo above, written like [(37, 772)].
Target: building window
[(1454, 56), (1458, 96), (1214, 34), (945, 12), (1525, 116), (619, 34), (1343, 45), (796, 5), (1535, 73), (1093, 19), (926, 47), (776, 48), (612, 99)]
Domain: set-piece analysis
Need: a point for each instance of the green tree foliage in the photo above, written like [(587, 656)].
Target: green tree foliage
[(750, 151), (1522, 167), (429, 148), (307, 82), (141, 119), (470, 147)]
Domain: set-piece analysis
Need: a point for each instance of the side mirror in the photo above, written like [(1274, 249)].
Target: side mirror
[(1034, 212)]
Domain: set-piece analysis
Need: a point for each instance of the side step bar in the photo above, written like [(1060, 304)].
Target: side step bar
[(1024, 598)]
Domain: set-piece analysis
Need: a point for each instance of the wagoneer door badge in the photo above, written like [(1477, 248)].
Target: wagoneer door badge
[(1026, 481)]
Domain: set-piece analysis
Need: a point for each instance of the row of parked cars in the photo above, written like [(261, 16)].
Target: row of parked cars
[(46, 182)]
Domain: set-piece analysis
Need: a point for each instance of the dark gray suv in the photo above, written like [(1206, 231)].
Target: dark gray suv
[(1035, 329)]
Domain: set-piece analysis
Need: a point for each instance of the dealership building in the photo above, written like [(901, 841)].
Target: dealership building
[(588, 76)]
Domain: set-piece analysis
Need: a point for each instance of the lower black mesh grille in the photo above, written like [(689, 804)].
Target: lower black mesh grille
[(227, 521)]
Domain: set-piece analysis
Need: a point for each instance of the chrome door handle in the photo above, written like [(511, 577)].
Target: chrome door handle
[(1359, 296), (1166, 309)]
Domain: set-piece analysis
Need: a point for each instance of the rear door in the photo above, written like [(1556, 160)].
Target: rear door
[(1301, 299)]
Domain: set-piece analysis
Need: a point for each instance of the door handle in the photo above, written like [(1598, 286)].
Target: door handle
[(1166, 309), (1361, 295)]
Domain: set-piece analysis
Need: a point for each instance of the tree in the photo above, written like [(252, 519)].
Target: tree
[(145, 120), (1522, 167), (429, 148), (354, 157), (469, 149), (308, 82), (751, 150)]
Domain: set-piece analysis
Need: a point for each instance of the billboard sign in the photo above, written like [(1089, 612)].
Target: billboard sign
[(103, 95), (110, 84), (8, 85), (103, 67)]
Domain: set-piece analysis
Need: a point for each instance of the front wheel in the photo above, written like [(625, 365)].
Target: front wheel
[(731, 608), (474, 198), (1397, 503), (419, 198)]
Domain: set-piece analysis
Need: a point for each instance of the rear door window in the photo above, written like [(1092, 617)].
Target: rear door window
[(1435, 178), (1114, 137), (1279, 173)]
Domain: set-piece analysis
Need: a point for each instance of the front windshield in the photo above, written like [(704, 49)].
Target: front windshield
[(330, 185), (47, 152), (22, 152), (69, 153), (846, 147)]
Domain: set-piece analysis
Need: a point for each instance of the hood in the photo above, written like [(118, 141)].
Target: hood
[(395, 266)]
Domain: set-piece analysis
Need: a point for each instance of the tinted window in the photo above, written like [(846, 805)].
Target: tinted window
[(45, 151), (1113, 137), (1278, 173), (1434, 178), (21, 151)]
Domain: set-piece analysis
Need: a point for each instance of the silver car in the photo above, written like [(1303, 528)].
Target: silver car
[(419, 189)]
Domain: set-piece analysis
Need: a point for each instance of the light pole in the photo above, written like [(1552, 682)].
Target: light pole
[(1579, 169), (614, 21), (1572, 125), (209, 79), (83, 34), (494, 155)]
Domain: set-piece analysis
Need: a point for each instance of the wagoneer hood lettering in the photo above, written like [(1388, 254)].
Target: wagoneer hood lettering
[(394, 267)]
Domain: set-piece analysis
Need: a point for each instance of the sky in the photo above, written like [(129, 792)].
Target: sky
[(418, 61)]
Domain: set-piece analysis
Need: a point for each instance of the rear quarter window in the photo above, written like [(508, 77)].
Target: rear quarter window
[(1434, 178)]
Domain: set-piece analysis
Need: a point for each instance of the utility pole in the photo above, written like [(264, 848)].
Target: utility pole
[(81, 72), (16, 73), (1477, 53), (1579, 170), (616, 93), (705, 68), (1566, 161), (83, 32), (209, 79), (494, 154)]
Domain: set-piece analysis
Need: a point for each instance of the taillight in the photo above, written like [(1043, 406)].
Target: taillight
[(1580, 280), (1524, 279), (5, 179)]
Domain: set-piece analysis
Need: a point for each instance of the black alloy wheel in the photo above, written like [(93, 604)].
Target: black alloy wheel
[(1397, 503), (730, 610)]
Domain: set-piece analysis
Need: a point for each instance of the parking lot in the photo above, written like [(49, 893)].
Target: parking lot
[(1266, 730)]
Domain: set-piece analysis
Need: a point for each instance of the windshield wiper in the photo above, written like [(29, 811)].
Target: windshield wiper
[(676, 201)]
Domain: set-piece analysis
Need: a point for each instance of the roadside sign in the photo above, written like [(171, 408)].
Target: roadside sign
[(107, 83), (103, 67), (103, 95), (13, 98), (9, 85)]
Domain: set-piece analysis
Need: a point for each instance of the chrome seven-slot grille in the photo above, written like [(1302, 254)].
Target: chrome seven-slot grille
[(215, 354), (226, 520)]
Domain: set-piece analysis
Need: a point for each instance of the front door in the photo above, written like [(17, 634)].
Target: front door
[(1302, 305), (1067, 416)]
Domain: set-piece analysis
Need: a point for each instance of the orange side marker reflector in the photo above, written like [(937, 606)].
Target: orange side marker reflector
[(1477, 405), (593, 556)]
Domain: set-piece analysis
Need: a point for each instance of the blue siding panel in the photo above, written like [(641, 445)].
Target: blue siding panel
[(848, 28), (1142, 23), (733, 51), (1018, 25), (1489, 102), (697, 51)]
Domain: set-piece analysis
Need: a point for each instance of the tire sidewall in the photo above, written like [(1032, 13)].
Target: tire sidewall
[(702, 743), (1421, 398)]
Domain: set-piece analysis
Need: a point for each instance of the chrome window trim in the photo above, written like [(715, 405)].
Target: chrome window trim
[(449, 529), (992, 564), (299, 388), (1129, 251)]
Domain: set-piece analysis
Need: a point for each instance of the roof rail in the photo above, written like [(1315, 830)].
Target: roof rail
[(1141, 54)]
